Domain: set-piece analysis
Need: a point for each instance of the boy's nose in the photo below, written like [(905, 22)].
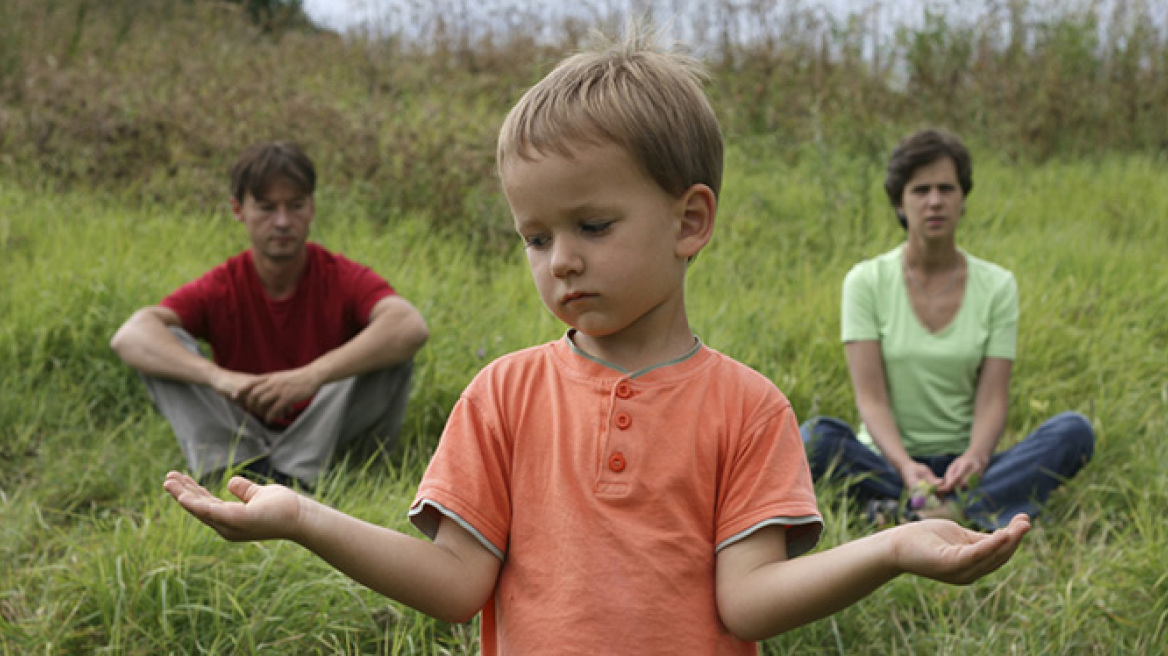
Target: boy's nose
[(565, 259)]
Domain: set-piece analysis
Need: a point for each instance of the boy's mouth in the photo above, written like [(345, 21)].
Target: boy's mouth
[(574, 296)]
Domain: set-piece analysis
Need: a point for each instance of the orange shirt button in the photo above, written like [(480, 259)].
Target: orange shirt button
[(616, 462), (624, 390), (623, 421)]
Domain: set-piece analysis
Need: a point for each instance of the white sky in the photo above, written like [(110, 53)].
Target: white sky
[(330, 13), (342, 14), (883, 15)]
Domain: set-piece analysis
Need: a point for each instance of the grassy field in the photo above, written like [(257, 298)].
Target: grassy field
[(94, 558), (119, 120)]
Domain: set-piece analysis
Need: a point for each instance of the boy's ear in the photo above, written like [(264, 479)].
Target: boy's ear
[(697, 207), (236, 209)]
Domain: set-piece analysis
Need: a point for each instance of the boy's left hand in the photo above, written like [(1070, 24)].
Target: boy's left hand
[(943, 550)]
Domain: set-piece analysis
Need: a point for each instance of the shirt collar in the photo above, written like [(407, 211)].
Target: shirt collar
[(697, 346)]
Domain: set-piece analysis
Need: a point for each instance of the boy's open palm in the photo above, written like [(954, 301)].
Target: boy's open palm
[(943, 550), (267, 512)]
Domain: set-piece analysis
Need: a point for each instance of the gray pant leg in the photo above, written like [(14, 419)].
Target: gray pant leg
[(212, 432), (372, 404)]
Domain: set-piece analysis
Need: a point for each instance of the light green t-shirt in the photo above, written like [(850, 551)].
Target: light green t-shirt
[(931, 377)]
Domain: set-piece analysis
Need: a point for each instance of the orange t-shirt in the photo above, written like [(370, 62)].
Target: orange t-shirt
[(607, 496)]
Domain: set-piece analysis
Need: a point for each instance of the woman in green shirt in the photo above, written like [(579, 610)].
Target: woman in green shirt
[(929, 332)]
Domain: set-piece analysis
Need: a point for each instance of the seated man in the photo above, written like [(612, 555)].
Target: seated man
[(311, 350)]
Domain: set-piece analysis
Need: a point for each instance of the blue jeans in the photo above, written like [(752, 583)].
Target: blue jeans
[(1017, 480)]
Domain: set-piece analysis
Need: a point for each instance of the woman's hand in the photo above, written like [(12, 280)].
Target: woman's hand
[(961, 471), (914, 472)]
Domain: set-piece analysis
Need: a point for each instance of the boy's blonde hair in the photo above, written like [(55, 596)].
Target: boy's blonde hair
[(637, 95)]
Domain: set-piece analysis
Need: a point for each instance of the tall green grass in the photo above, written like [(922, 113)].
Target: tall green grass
[(94, 558), (119, 119)]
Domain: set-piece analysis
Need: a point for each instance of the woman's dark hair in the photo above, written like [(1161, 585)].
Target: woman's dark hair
[(262, 163), (922, 149)]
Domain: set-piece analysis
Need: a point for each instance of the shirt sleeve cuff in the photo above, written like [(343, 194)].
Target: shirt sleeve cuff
[(426, 515), (802, 533)]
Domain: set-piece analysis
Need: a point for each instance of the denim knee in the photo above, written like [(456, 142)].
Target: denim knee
[(1078, 433), (822, 425), (807, 429)]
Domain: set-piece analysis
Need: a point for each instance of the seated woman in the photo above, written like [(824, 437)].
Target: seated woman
[(929, 332)]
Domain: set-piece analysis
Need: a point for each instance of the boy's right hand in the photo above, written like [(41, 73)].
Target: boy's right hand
[(267, 512)]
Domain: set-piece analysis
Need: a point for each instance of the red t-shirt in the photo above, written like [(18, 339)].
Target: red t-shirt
[(249, 332)]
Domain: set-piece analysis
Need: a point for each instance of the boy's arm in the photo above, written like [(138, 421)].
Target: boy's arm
[(762, 594), (450, 578)]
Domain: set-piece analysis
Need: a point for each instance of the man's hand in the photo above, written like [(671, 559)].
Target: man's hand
[(228, 383), (271, 396), (940, 549), (268, 512)]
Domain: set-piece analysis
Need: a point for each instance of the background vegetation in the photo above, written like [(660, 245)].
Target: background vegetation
[(119, 119)]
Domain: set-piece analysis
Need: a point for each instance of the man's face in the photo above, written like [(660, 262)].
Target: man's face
[(278, 223)]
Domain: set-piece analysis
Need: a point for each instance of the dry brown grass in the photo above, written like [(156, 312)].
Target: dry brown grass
[(152, 99)]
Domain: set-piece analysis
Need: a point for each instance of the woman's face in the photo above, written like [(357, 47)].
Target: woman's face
[(932, 201)]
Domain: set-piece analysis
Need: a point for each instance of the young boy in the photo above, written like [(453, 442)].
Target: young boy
[(624, 488)]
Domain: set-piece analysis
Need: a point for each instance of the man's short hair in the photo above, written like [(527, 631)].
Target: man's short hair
[(645, 99), (921, 149), (263, 163)]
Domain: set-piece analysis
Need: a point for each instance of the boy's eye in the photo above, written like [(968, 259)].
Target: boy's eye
[(595, 227), (535, 241)]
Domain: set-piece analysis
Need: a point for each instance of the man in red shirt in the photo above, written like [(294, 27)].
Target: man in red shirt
[(311, 350)]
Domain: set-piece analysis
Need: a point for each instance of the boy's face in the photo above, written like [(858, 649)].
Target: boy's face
[(607, 246), (278, 223)]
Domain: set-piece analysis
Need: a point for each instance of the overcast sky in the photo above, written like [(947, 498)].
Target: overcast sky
[(336, 14), (882, 15), (341, 14)]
